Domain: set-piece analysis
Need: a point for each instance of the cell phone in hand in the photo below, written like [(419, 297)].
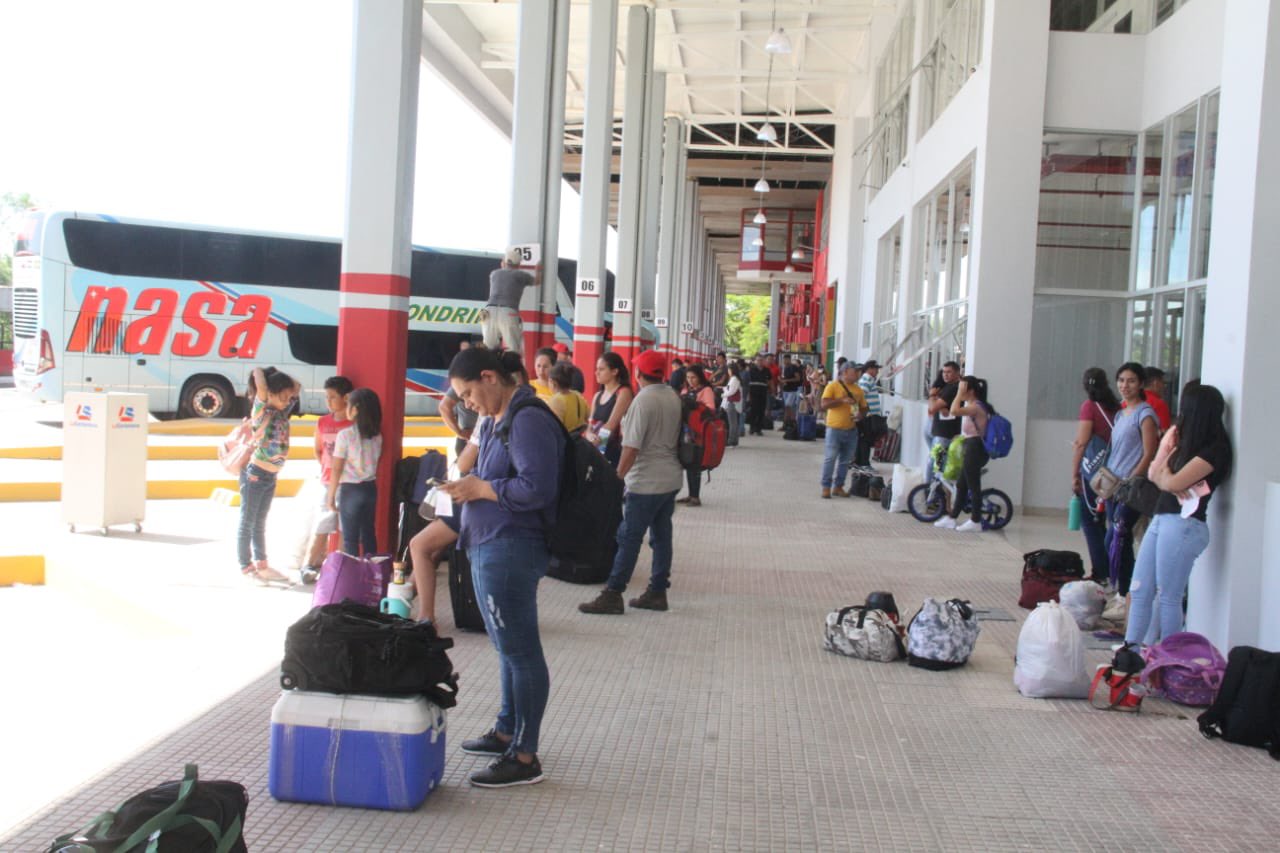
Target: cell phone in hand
[(436, 482)]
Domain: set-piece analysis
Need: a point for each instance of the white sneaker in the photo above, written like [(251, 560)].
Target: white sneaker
[(946, 523), (970, 526), (1117, 609)]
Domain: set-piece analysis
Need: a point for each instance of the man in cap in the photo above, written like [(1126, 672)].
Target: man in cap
[(500, 320), (650, 430), (564, 356), (874, 424), (844, 404)]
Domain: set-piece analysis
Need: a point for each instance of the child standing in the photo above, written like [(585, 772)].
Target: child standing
[(273, 396), (336, 389), (353, 486)]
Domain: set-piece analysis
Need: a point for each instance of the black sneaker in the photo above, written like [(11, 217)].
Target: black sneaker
[(607, 602), (650, 599), (487, 744), (309, 574), (506, 771)]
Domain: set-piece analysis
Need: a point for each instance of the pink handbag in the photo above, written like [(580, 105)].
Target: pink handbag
[(237, 448), (346, 578)]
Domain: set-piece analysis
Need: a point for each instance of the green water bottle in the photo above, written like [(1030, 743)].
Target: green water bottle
[(1073, 512)]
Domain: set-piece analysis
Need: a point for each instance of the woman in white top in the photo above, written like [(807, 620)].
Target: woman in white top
[(971, 405), (731, 402), (353, 486)]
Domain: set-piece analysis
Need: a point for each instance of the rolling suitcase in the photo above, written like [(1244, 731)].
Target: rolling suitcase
[(573, 571), (807, 427), (462, 593)]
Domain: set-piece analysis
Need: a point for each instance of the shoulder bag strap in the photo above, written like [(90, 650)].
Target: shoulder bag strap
[(1103, 412), (163, 819)]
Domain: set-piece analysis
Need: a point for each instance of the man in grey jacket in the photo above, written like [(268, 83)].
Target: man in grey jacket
[(500, 320)]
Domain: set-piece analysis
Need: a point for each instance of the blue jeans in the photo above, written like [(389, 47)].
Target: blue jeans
[(257, 488), (640, 513), (731, 440), (1094, 527), (506, 574), (1119, 514), (838, 448), (1160, 576), (357, 510)]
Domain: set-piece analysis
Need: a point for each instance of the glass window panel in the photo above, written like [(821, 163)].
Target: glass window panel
[(1085, 223), (941, 241), (1209, 160), (1180, 166), (1070, 334), (1148, 207), (1169, 356), (960, 238), (749, 233), (775, 241), (1140, 335), (1193, 343)]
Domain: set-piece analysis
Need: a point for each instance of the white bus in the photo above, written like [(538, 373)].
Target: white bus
[(184, 314)]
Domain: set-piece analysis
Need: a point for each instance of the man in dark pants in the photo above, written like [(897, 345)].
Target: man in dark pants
[(758, 380)]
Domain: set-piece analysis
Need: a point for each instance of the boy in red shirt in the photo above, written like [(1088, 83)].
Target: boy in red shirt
[(336, 389)]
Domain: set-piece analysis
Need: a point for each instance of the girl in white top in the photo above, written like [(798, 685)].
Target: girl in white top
[(353, 486), (731, 402)]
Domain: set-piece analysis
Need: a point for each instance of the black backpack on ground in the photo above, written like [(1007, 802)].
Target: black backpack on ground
[(1055, 562), (589, 507), (571, 571), (1247, 707), (188, 817), (351, 648), (462, 593), (860, 486)]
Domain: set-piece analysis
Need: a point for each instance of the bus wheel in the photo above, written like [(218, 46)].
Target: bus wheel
[(208, 397)]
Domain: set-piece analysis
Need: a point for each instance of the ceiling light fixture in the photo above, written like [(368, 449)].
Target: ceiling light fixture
[(760, 218), (762, 186), (766, 133), (759, 241), (778, 43), (789, 268), (797, 254)]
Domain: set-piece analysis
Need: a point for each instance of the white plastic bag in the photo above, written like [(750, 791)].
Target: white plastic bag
[(905, 478), (1050, 660), (1085, 601)]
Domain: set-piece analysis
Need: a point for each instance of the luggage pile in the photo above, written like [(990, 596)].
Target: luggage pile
[(941, 635)]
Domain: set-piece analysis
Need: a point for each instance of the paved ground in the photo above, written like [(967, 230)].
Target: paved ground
[(719, 725)]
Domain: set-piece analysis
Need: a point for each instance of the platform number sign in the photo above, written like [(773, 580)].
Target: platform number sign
[(588, 287), (646, 314), (688, 328), (530, 254), (661, 322), (622, 306)]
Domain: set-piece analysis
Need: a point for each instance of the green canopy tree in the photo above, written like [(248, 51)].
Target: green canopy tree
[(746, 323), (11, 205)]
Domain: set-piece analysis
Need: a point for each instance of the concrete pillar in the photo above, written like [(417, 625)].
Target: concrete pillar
[(651, 200), (1006, 199), (537, 145), (669, 231), (775, 312), (597, 167), (627, 289), (1235, 587), (377, 249)]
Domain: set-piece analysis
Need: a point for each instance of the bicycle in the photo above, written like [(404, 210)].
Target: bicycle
[(930, 501)]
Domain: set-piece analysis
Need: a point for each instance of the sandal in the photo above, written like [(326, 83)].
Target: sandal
[(693, 502)]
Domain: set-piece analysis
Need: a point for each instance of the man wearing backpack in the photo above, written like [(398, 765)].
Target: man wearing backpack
[(651, 428)]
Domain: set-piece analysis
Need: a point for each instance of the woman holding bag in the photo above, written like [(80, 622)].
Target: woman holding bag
[(1193, 460), (1135, 434), (1093, 436)]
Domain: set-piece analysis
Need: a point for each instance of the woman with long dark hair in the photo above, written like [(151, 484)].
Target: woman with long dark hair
[(1097, 414), (610, 403), (353, 485), (970, 405), (1135, 434), (504, 503), (697, 390), (1192, 462)]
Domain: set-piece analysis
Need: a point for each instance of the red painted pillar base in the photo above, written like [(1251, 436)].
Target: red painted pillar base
[(373, 330), (588, 346)]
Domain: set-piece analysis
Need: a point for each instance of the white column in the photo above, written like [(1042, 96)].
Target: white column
[(537, 143), (775, 309), (639, 67), (1235, 587), (597, 167), (668, 230)]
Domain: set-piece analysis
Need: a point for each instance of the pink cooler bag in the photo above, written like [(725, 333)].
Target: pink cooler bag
[(1184, 668), (346, 578)]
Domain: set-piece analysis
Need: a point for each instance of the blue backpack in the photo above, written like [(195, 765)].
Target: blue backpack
[(998, 437)]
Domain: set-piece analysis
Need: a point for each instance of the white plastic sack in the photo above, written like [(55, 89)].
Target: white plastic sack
[(905, 478), (1085, 601), (1050, 660), (895, 418)]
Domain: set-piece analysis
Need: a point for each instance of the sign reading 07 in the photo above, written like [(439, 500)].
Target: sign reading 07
[(101, 323)]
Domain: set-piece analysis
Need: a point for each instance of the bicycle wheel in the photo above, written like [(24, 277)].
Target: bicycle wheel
[(997, 509), (926, 503)]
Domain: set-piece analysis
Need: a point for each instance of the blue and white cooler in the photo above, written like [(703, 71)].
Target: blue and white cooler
[(374, 752)]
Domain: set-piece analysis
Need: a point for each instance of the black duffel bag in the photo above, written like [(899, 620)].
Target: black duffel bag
[(1055, 562), (1247, 707), (351, 648), (185, 817)]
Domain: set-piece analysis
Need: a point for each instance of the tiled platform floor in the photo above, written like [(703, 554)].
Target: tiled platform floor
[(723, 725)]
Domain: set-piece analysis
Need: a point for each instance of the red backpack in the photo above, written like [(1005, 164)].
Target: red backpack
[(702, 437)]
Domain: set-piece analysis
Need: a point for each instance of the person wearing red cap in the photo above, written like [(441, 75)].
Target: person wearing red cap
[(650, 430), (565, 356)]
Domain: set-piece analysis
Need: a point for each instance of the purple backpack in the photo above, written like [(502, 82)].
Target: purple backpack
[(1184, 668)]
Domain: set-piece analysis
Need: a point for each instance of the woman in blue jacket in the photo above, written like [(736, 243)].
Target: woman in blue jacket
[(507, 502)]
